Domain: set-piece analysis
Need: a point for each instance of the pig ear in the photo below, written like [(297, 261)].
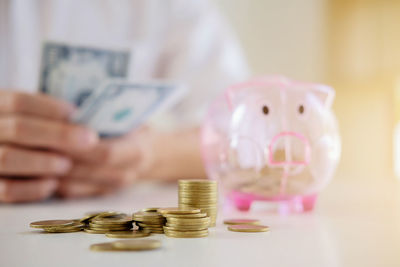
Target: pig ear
[(324, 94)]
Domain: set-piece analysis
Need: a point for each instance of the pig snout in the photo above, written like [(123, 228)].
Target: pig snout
[(289, 149)]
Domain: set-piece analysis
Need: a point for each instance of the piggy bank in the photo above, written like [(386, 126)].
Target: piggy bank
[(272, 139)]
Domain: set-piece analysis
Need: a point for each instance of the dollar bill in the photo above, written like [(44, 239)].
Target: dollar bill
[(119, 106), (72, 73)]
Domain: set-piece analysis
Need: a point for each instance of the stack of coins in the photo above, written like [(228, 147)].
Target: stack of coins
[(59, 226), (185, 222), (202, 194), (106, 222), (149, 220)]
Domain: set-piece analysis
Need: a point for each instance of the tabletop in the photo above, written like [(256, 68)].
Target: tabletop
[(355, 223)]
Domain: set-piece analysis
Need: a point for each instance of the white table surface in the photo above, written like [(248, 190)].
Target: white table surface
[(356, 223)]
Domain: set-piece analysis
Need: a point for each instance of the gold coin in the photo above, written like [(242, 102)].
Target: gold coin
[(128, 234), (191, 224), (197, 202), (197, 206), (248, 228), (111, 221), (186, 221), (186, 234), (193, 187), (87, 218), (91, 231), (63, 230), (152, 228), (95, 213), (187, 227), (178, 210), (197, 181), (146, 215), (150, 209), (172, 229), (142, 244), (102, 247), (112, 214), (196, 215), (51, 223), (205, 188), (157, 232), (241, 221), (194, 194), (109, 229)]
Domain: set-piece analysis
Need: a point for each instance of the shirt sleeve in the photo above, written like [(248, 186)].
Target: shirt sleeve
[(201, 51)]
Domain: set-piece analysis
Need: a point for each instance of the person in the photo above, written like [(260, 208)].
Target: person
[(42, 154)]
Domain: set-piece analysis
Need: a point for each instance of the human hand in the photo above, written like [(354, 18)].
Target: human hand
[(110, 165), (34, 138), (143, 154)]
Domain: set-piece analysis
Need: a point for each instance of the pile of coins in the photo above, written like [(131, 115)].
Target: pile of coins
[(185, 222), (59, 226), (201, 194), (149, 220), (105, 222)]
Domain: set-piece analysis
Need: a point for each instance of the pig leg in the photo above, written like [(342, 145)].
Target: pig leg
[(241, 201), (309, 202)]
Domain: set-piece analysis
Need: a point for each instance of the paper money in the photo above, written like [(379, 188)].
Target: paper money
[(72, 73), (119, 106)]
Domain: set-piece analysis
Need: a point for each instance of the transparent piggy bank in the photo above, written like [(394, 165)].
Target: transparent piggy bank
[(272, 139)]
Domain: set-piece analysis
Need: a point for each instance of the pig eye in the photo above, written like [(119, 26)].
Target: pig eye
[(265, 110), (301, 109)]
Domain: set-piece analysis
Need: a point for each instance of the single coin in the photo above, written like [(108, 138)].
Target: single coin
[(129, 234), (142, 244), (241, 221), (197, 181), (248, 228), (198, 206), (109, 229), (111, 221), (146, 214), (157, 232), (196, 215), (192, 194), (92, 231), (150, 209), (178, 210), (102, 247), (186, 227), (185, 236), (149, 225), (188, 220), (173, 230), (51, 223), (95, 213), (63, 230), (113, 214)]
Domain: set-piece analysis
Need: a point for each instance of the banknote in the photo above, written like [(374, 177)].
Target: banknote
[(72, 73), (119, 106)]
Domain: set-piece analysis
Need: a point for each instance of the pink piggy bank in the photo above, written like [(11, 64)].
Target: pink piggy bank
[(272, 139)]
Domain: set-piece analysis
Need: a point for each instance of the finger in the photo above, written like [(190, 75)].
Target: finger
[(102, 175), (14, 191), (132, 147), (44, 133), (18, 161), (34, 104), (79, 189)]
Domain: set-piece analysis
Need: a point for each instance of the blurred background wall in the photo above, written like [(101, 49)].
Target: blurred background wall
[(353, 45)]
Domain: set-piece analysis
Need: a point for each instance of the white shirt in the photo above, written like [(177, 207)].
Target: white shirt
[(185, 41)]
